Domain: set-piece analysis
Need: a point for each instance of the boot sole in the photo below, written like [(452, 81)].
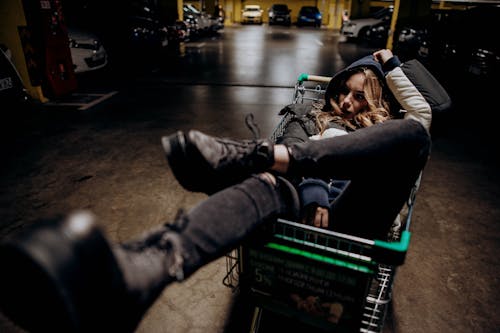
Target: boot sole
[(175, 148)]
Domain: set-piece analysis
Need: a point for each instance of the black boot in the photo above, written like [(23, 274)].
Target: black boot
[(64, 276), (202, 163)]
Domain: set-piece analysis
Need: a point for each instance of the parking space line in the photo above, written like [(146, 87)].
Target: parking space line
[(320, 43), (99, 100), (83, 101), (196, 45)]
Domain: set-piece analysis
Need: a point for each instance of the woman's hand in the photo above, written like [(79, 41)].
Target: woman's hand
[(316, 216), (383, 55)]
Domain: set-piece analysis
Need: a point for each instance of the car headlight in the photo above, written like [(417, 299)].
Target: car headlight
[(318, 17), (271, 14)]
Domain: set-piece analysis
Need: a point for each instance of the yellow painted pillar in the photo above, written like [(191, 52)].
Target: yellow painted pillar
[(180, 11), (394, 20), (229, 11), (332, 14), (237, 11)]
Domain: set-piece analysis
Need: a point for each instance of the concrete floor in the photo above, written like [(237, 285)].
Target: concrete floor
[(108, 159)]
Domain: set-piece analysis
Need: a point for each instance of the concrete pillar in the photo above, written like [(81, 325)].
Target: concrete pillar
[(228, 6), (168, 10), (335, 11)]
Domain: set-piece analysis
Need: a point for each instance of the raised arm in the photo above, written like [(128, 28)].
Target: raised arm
[(404, 90)]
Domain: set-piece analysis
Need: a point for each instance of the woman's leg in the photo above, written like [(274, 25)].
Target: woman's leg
[(383, 163), (65, 276)]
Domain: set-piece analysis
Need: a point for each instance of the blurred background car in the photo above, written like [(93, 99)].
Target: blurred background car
[(309, 15), (251, 14), (12, 91), (358, 28), (87, 51), (219, 16), (412, 42), (377, 34), (202, 23), (462, 41), (279, 14), (470, 39)]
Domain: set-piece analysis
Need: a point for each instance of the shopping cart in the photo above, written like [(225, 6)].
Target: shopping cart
[(327, 280)]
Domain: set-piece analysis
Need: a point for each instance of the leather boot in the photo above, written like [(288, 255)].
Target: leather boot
[(202, 163), (64, 276)]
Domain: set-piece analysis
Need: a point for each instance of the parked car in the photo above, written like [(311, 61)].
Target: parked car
[(309, 15), (251, 14), (378, 34), (87, 51), (471, 41), (202, 22), (148, 35), (412, 42), (456, 42), (358, 28), (12, 91), (279, 14), (178, 32)]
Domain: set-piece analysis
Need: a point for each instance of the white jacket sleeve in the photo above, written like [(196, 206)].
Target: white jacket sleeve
[(409, 97)]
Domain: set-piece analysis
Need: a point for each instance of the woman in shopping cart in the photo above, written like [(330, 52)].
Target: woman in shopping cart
[(64, 275), (369, 91)]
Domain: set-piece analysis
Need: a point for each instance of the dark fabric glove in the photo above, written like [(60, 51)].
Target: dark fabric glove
[(313, 190), (390, 64)]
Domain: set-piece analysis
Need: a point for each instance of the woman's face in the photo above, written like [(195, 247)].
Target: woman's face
[(352, 97)]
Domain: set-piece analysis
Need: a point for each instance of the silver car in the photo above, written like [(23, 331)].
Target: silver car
[(87, 51), (358, 28)]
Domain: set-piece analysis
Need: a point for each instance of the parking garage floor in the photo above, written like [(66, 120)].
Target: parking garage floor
[(108, 158)]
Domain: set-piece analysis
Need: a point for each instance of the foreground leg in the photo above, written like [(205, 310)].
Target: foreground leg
[(64, 275)]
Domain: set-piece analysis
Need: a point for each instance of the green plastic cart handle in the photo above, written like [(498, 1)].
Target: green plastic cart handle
[(392, 252), (303, 77)]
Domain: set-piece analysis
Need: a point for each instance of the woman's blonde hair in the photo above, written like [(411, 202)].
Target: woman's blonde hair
[(377, 109)]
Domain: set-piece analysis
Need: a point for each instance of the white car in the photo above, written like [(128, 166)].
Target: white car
[(203, 22), (251, 14), (87, 52), (358, 28)]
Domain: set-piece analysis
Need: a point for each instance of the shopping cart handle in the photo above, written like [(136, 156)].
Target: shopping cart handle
[(303, 77), (392, 252), (307, 77)]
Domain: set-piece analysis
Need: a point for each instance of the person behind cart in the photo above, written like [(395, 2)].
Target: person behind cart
[(65, 275)]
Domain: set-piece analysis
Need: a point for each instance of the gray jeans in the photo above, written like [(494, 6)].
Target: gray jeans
[(382, 162)]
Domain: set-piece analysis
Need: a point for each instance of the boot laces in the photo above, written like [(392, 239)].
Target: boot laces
[(252, 126)]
